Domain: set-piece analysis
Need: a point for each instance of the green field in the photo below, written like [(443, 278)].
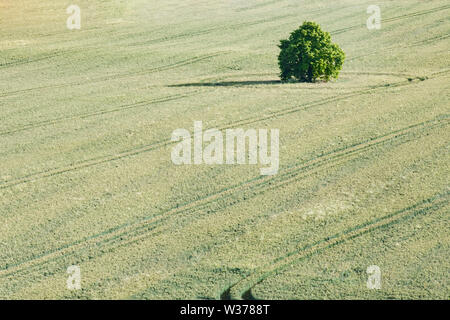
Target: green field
[(86, 176)]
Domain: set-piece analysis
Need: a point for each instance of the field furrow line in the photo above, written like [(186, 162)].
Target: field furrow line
[(246, 24), (387, 49), (210, 30), (135, 231), (99, 113), (163, 143), (27, 61), (187, 62), (431, 40), (242, 288), (384, 20), (170, 66), (258, 5), (238, 195)]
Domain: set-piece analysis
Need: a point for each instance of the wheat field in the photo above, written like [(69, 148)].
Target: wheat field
[(86, 176)]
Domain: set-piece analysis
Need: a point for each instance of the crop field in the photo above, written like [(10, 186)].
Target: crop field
[(87, 180)]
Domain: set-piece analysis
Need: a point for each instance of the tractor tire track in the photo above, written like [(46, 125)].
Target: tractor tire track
[(163, 143), (430, 40), (28, 61), (414, 44), (216, 81), (219, 81), (392, 19), (170, 66), (368, 73), (187, 62), (132, 232), (99, 113), (292, 175), (210, 30), (259, 5), (152, 41), (242, 288)]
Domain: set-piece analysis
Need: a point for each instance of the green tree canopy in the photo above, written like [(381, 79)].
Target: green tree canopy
[(309, 55)]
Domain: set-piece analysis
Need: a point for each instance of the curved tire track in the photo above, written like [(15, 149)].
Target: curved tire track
[(98, 113), (162, 143), (159, 144), (27, 61), (170, 66), (186, 62), (384, 20), (132, 232), (210, 30), (242, 288)]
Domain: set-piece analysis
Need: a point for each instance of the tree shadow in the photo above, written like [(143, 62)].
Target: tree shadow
[(227, 83)]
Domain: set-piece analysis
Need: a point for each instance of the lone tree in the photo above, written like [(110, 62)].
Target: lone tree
[(309, 55)]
